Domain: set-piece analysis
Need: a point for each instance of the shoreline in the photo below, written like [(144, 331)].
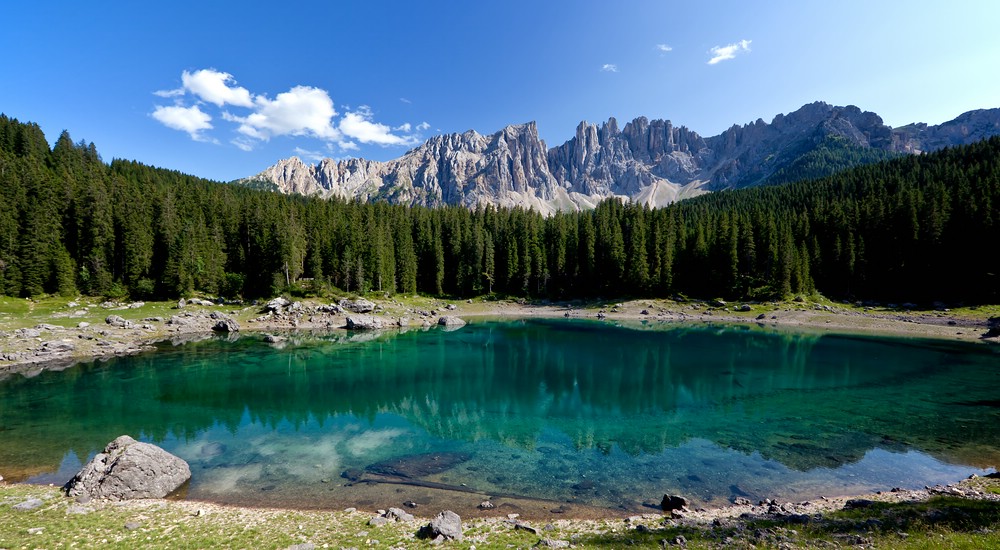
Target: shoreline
[(42, 346), (895, 518), (46, 345)]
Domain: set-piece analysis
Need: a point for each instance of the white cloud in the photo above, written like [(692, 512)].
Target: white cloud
[(314, 156), (664, 48), (609, 68), (301, 111), (186, 119), (722, 53), (243, 144), (170, 93), (358, 125), (212, 86)]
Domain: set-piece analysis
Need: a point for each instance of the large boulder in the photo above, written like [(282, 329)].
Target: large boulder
[(363, 322), (451, 321), (129, 469), (226, 325), (445, 526), (277, 305)]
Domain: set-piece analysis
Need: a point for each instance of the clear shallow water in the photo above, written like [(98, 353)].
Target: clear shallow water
[(570, 411)]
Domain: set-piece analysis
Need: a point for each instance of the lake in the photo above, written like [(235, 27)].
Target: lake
[(572, 416)]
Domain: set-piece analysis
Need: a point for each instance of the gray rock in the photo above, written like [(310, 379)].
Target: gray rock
[(378, 521), (82, 324), (27, 333), (226, 326), (447, 525), (398, 514), (360, 305), (272, 339), (303, 546), (451, 321), (277, 305), (673, 502), (744, 307), (117, 321), (129, 469), (35, 530), (29, 504), (363, 322)]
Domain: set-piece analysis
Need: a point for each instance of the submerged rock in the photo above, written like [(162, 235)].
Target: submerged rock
[(414, 466), (129, 469)]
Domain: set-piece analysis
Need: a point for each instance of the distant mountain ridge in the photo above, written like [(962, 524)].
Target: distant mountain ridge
[(650, 162)]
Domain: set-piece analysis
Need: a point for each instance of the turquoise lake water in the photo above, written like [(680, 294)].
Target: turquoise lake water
[(568, 411)]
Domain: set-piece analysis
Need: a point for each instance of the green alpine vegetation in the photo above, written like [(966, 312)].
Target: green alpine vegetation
[(906, 229)]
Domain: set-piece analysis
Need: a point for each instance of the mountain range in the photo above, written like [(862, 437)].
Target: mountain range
[(647, 161)]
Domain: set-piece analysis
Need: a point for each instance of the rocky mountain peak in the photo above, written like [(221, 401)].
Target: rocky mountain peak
[(650, 161)]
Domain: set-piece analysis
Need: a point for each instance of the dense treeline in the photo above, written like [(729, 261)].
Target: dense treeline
[(898, 230)]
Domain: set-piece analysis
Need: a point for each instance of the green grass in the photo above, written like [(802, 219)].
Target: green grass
[(941, 522)]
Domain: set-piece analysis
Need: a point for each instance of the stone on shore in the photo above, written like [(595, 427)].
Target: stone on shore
[(226, 325), (360, 305), (363, 322), (129, 469), (445, 526), (451, 321), (673, 502)]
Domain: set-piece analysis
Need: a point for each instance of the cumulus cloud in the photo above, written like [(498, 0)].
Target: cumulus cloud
[(609, 68), (213, 86), (423, 126), (358, 125), (301, 111), (722, 53), (664, 48), (186, 119)]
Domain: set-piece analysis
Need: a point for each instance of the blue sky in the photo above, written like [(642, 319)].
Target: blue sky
[(223, 90)]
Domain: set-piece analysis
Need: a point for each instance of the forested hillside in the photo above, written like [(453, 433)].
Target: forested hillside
[(918, 228)]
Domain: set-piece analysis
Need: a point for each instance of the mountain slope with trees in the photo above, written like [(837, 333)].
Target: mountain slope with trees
[(910, 229)]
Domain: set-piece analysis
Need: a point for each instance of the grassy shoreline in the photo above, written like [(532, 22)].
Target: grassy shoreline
[(964, 515)]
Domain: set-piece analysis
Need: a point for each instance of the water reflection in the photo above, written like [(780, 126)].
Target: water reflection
[(535, 399)]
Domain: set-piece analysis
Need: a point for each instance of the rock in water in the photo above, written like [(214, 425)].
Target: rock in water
[(129, 469), (446, 525), (416, 466), (673, 502)]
